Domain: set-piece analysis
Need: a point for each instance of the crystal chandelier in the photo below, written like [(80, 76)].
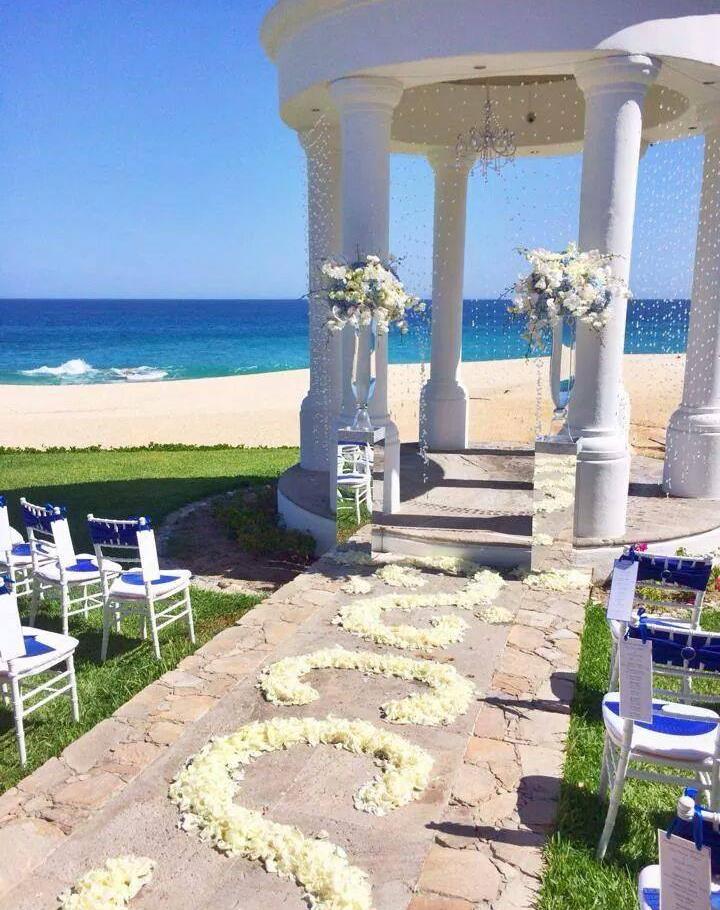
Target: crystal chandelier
[(491, 145)]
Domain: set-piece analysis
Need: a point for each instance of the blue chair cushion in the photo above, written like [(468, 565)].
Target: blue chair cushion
[(83, 565), (667, 723), (651, 896), (21, 549), (34, 648), (136, 578)]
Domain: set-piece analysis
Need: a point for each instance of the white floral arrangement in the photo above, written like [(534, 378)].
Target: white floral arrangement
[(449, 696), (364, 618), (483, 588), (205, 790), (557, 580), (571, 284), (447, 565), (111, 887), (356, 585), (365, 291), (351, 557), (400, 576), (495, 615)]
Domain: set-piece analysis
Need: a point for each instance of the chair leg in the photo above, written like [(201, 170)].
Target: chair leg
[(190, 619), (64, 599), (686, 690), (616, 793), (18, 714), (715, 786), (86, 609), (73, 689), (357, 504), (106, 631), (35, 600), (6, 695), (604, 771), (704, 785), (153, 629), (695, 619), (614, 668)]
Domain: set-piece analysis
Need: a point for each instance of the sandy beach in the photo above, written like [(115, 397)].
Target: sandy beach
[(262, 409)]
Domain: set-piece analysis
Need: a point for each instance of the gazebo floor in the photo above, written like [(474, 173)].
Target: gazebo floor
[(479, 502)]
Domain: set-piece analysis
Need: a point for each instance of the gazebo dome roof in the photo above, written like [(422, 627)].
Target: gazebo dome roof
[(448, 56)]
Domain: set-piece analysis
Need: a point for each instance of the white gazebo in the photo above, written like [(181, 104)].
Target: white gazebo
[(410, 75)]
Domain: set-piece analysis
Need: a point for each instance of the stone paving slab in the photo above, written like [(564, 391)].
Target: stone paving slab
[(472, 840)]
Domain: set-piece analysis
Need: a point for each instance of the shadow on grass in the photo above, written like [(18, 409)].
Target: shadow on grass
[(104, 687), (586, 698), (155, 497), (550, 809), (572, 876)]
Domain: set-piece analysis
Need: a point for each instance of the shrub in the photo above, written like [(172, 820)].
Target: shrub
[(251, 517)]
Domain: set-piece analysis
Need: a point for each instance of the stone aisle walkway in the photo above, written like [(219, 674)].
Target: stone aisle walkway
[(472, 840)]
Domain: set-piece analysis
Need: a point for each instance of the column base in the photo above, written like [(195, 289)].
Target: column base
[(601, 489), (314, 426), (692, 454), (446, 409)]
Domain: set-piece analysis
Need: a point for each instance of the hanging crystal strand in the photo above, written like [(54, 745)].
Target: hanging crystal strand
[(320, 213), (538, 395), (423, 341), (422, 443)]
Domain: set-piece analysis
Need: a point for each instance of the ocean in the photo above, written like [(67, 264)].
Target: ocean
[(89, 341)]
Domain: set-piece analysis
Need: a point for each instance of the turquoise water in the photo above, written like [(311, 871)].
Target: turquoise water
[(82, 341)]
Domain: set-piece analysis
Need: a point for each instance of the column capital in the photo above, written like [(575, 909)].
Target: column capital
[(708, 116), (443, 158), (629, 72), (366, 93)]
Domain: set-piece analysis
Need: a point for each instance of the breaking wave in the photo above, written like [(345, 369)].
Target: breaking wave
[(80, 371)]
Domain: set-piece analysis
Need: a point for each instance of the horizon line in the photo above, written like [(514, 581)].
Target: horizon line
[(496, 298)]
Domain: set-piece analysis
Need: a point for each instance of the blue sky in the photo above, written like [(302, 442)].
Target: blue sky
[(142, 155)]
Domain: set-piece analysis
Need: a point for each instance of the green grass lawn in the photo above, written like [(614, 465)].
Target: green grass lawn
[(120, 483), (103, 688), (573, 879)]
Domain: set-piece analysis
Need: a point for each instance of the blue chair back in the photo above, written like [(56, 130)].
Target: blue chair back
[(118, 533), (6, 542), (676, 647), (40, 518), (680, 571), (703, 829), (48, 533), (676, 575), (120, 537)]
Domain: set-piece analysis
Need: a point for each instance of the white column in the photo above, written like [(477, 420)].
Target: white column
[(445, 396), (366, 105), (322, 151), (614, 89), (692, 452)]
